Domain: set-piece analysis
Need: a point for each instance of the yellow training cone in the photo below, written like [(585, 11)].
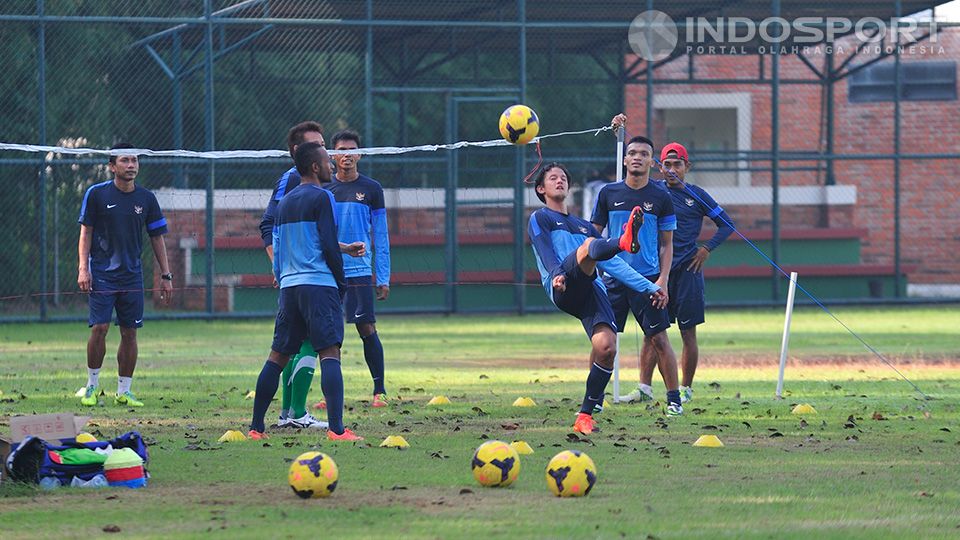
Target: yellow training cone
[(85, 437), (395, 441), (709, 441), (439, 400), (606, 403), (804, 408), (521, 447), (232, 435), (250, 395), (524, 402)]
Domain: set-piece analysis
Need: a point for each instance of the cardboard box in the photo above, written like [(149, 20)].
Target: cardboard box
[(49, 427), (4, 452)]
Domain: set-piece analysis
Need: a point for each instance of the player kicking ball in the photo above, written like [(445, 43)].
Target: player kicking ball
[(568, 251), (308, 267)]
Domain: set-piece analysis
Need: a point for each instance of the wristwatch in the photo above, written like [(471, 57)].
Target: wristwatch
[(168, 276)]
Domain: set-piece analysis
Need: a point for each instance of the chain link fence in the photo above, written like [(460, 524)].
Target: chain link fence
[(834, 156)]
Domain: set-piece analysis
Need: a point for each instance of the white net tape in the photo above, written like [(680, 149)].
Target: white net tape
[(236, 154)]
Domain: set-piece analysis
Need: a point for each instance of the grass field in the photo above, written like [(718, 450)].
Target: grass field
[(876, 461)]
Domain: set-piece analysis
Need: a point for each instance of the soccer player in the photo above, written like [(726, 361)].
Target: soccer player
[(308, 266), (653, 261), (298, 374), (113, 216), (568, 251), (686, 289), (362, 219)]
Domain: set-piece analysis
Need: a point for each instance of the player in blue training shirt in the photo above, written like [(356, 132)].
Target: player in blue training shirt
[(298, 374), (568, 252), (309, 269), (362, 218), (691, 204), (113, 216), (653, 261)]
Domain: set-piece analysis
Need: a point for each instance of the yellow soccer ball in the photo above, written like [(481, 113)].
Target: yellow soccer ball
[(571, 473), (495, 464), (313, 474), (519, 124)]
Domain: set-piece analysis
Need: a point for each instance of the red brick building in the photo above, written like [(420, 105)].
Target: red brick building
[(929, 188)]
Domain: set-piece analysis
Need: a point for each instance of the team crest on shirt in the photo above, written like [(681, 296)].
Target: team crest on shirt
[(647, 206), (360, 196), (138, 209), (689, 201)]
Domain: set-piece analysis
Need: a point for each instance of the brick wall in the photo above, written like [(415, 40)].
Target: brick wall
[(930, 225)]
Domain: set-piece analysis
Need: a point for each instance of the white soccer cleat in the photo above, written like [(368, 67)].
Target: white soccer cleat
[(686, 394), (674, 409), (307, 421), (637, 396)]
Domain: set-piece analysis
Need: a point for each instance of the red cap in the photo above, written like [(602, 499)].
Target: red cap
[(674, 147)]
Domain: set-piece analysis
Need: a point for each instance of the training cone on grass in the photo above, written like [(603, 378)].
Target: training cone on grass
[(521, 447), (394, 441), (84, 437), (804, 408), (606, 403), (709, 441), (232, 435), (250, 395), (439, 400), (524, 402)]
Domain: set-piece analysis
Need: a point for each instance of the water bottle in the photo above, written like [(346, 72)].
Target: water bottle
[(49, 482), (97, 481)]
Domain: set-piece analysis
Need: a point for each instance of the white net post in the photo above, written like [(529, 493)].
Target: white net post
[(616, 359), (785, 344)]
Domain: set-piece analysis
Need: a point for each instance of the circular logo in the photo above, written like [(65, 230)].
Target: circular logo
[(653, 35)]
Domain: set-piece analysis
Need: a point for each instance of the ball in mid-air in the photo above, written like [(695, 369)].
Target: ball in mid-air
[(313, 474), (519, 124), (571, 473), (495, 464)]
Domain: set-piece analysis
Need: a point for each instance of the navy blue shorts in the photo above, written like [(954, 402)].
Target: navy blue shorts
[(358, 300), (308, 312), (584, 297), (127, 300), (687, 303), (623, 299)]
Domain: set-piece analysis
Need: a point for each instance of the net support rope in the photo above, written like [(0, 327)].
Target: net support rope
[(236, 154)]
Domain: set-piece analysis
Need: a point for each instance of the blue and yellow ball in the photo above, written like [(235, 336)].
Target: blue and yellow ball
[(571, 473), (313, 475), (519, 124), (495, 464)]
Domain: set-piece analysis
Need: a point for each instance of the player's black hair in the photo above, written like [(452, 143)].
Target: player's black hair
[(543, 175), (119, 146), (308, 154), (642, 140), (345, 135), (295, 135)]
